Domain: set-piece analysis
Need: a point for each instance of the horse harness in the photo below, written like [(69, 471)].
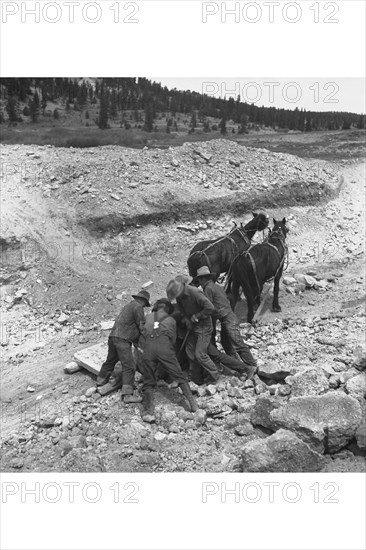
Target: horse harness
[(234, 245), (282, 256)]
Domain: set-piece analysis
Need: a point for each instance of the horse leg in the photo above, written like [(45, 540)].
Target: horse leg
[(250, 304), (275, 305), (257, 300), (234, 295)]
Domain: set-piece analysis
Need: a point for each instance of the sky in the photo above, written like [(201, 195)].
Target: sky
[(312, 94)]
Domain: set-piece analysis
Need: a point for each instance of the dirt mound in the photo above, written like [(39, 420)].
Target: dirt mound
[(111, 188)]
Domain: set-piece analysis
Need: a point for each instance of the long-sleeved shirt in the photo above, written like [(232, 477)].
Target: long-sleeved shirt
[(130, 322), (158, 323), (216, 295), (194, 302)]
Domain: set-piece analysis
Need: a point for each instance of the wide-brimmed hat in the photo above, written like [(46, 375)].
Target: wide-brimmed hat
[(144, 295), (174, 288), (204, 271), (164, 301), (182, 279)]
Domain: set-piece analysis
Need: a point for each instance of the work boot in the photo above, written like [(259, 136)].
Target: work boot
[(102, 380), (188, 395), (148, 407), (130, 398), (114, 383), (250, 371)]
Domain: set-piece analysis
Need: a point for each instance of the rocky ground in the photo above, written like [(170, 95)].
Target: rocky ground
[(82, 229)]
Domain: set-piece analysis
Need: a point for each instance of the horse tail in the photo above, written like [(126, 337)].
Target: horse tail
[(229, 282), (232, 286), (229, 277)]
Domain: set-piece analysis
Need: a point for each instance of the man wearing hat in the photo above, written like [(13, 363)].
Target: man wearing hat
[(231, 338), (196, 311), (160, 335), (218, 357), (126, 331)]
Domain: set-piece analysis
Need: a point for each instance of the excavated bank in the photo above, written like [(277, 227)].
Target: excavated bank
[(236, 204)]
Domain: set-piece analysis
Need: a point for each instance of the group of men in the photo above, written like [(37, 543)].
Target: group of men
[(184, 330)]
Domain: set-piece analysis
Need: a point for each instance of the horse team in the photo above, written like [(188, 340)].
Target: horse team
[(245, 266), (180, 336)]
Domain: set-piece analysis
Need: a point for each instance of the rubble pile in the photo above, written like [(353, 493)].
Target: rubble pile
[(304, 410), (134, 184), (144, 210)]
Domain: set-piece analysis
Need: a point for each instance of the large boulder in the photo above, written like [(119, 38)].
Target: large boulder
[(280, 452), (356, 386), (360, 435), (307, 280), (326, 422), (308, 382), (261, 412), (274, 371), (360, 358)]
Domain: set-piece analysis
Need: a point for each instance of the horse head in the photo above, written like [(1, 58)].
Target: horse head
[(280, 227), (259, 222), (262, 220)]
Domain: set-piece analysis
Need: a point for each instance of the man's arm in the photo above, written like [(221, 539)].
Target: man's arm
[(207, 308), (209, 293), (171, 327), (139, 317)]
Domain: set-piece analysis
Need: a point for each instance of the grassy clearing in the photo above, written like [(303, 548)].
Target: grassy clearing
[(60, 136), (333, 145)]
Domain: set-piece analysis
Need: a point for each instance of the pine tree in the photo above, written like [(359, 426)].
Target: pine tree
[(308, 126), (83, 93), (193, 123), (43, 102), (103, 109), (206, 126), (222, 126), (243, 125), (34, 108), (149, 118), (361, 122), (11, 109), (301, 122), (113, 105)]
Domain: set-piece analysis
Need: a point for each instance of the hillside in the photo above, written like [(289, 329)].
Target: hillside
[(136, 112)]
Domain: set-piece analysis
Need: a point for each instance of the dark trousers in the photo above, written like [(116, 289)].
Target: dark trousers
[(232, 340), (197, 345), (227, 360), (159, 352), (120, 350)]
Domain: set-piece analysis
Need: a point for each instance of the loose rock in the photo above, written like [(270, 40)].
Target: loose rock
[(281, 452)]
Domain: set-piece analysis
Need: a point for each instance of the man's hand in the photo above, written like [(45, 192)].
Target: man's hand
[(194, 319), (188, 323)]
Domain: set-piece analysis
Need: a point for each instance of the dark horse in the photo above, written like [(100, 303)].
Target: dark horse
[(257, 265), (219, 253)]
